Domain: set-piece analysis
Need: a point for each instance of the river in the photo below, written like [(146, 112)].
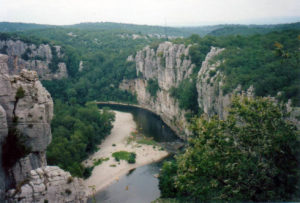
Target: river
[(141, 184)]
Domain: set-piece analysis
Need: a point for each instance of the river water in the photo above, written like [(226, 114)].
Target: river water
[(141, 184)]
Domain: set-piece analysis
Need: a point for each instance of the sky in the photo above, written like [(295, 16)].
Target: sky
[(150, 12)]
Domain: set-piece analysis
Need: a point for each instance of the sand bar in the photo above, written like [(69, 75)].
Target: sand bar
[(104, 174)]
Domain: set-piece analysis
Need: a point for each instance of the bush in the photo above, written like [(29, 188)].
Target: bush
[(152, 87), (123, 155), (20, 93), (186, 94), (251, 156)]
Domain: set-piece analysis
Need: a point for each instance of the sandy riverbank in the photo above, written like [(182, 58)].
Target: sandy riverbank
[(104, 174)]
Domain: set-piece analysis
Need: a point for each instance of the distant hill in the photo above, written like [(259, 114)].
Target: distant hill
[(215, 30), (14, 27), (252, 29)]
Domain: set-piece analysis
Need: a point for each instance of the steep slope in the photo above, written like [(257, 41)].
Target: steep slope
[(160, 70), (168, 65), (26, 110), (45, 59)]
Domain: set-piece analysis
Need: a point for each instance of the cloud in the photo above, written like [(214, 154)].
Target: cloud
[(156, 12)]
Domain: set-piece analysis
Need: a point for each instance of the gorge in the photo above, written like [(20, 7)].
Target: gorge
[(180, 80)]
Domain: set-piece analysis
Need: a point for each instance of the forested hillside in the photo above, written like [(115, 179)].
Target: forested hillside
[(100, 56)]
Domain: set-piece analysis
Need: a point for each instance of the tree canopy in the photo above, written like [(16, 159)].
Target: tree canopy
[(250, 156)]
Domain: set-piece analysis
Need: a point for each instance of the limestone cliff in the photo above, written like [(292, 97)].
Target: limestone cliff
[(49, 184), (39, 58), (169, 65), (26, 109), (211, 99)]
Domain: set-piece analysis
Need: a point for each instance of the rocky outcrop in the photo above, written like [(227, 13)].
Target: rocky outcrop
[(32, 57), (211, 99), (169, 65), (26, 110), (49, 184)]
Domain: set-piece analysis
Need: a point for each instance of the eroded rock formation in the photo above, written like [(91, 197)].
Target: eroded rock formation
[(32, 57), (26, 110), (49, 184), (169, 65)]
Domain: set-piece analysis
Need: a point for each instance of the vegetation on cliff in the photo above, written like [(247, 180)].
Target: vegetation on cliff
[(76, 130), (250, 156), (271, 63)]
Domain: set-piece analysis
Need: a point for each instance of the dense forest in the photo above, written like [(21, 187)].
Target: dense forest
[(227, 161), (76, 131)]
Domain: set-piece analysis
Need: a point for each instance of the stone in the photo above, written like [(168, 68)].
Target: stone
[(169, 64), (30, 113), (20, 55), (52, 184)]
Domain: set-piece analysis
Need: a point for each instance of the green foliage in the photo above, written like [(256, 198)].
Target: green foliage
[(123, 155), (53, 66), (186, 94), (167, 179), (97, 162), (3, 50), (76, 130), (251, 156), (87, 172), (68, 191), (20, 93), (146, 141), (212, 73), (152, 87), (257, 61), (26, 54), (14, 147), (163, 62)]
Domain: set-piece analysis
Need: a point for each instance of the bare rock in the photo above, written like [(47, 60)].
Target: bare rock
[(21, 56), (169, 64), (50, 184)]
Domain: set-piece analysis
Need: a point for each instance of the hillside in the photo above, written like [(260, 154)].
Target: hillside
[(177, 79)]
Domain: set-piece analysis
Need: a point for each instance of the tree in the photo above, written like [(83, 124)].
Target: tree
[(249, 156)]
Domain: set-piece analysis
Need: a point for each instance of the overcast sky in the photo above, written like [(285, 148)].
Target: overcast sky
[(152, 12)]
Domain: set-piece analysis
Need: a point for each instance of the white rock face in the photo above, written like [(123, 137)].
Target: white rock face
[(30, 114), (49, 184), (211, 98), (33, 111), (32, 57), (210, 95), (169, 64)]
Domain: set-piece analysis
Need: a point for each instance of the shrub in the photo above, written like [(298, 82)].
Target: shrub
[(251, 156), (68, 191), (20, 93), (152, 87), (123, 155)]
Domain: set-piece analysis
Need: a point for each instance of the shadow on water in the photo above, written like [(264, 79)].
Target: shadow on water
[(141, 184), (150, 125)]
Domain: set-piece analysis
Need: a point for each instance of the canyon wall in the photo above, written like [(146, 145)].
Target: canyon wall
[(170, 64), (45, 59), (26, 110)]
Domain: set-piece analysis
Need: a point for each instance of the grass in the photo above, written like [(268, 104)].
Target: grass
[(171, 200), (99, 161), (141, 139), (132, 137), (124, 155), (146, 141)]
